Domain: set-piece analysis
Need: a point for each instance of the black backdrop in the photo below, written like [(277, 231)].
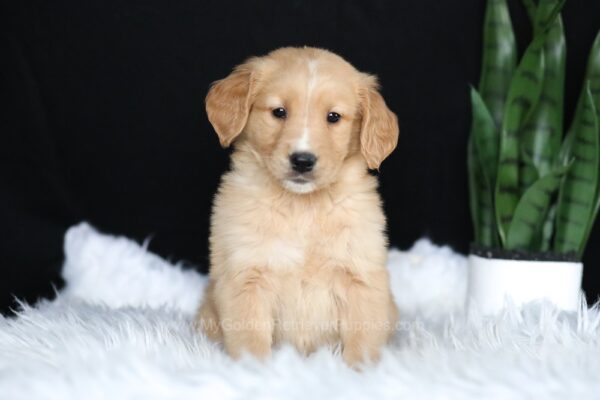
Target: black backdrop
[(103, 116)]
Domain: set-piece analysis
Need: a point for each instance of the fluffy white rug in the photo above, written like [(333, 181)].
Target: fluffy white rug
[(121, 329)]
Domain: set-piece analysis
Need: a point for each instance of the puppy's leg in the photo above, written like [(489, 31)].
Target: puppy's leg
[(207, 319), (245, 304), (368, 315)]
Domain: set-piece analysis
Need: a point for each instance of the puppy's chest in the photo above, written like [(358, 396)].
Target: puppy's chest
[(308, 237)]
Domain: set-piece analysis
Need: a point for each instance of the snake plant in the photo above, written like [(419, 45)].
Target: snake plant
[(532, 188)]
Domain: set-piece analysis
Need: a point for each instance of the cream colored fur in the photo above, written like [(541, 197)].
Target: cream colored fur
[(301, 263)]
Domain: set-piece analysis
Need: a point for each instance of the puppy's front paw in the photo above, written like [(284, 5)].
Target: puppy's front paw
[(356, 357), (259, 349)]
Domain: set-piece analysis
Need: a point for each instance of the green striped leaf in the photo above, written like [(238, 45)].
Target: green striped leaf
[(543, 14), (528, 172), (475, 177), (548, 230), (526, 228), (577, 199), (592, 78), (564, 155), (482, 146), (480, 193), (499, 58), (542, 133), (546, 14), (523, 95), (593, 73), (485, 137)]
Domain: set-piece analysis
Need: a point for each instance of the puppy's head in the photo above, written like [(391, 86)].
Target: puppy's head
[(303, 111)]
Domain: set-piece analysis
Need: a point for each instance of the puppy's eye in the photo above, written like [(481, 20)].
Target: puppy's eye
[(333, 117), (279, 112)]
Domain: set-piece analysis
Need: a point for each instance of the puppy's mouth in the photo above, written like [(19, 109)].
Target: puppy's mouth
[(300, 180), (300, 183), (300, 177)]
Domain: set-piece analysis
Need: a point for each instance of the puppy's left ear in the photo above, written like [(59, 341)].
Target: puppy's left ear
[(379, 128), (229, 100)]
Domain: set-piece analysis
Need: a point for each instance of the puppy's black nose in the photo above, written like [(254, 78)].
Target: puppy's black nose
[(303, 162)]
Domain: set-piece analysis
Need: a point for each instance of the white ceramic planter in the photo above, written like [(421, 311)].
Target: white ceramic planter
[(494, 282)]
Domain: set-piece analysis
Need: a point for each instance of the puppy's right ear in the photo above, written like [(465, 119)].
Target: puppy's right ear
[(228, 102)]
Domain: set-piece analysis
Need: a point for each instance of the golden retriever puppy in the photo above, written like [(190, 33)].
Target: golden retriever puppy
[(298, 243)]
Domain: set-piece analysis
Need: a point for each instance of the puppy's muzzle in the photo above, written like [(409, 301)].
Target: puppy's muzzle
[(303, 162)]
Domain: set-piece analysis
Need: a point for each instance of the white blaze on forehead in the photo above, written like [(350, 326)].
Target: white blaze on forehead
[(303, 143)]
